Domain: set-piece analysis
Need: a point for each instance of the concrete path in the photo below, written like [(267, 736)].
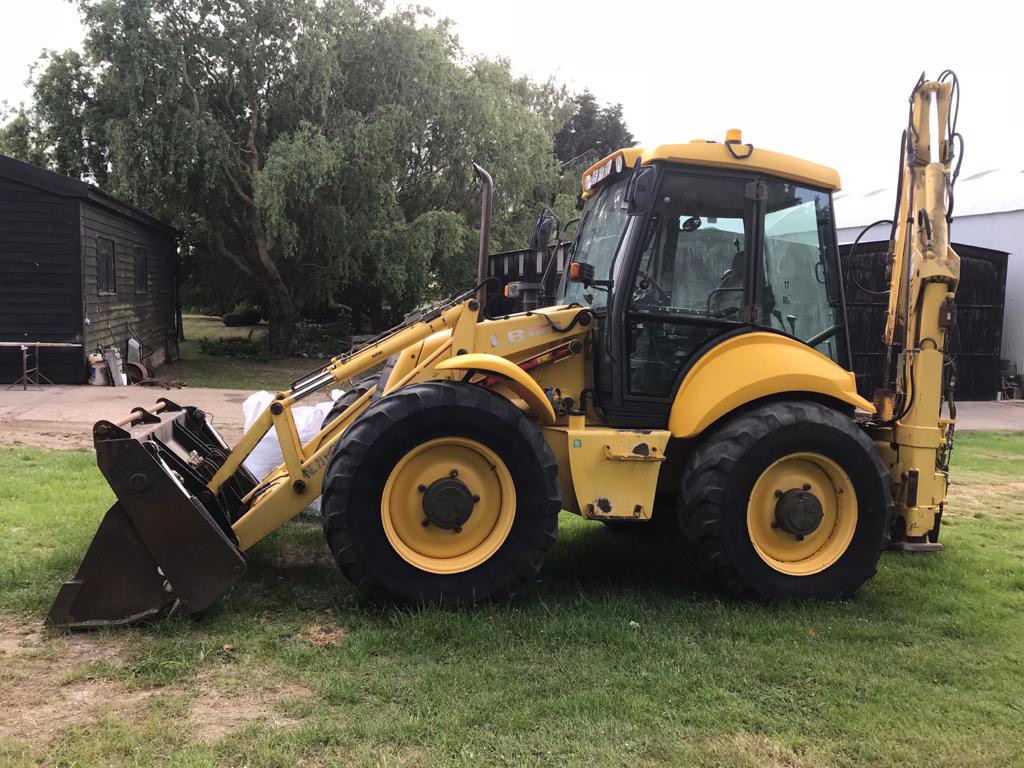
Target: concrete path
[(995, 416), (62, 416)]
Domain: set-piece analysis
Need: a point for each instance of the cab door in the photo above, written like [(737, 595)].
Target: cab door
[(689, 283)]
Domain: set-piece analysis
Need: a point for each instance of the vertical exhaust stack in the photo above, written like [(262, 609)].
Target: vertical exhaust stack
[(486, 199)]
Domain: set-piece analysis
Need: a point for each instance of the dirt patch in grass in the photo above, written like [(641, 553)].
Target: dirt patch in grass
[(752, 749), (323, 635), (49, 684), (224, 703), (45, 686), (979, 494)]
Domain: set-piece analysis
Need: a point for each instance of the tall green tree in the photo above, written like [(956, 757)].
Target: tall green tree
[(591, 131), (316, 148), (19, 139)]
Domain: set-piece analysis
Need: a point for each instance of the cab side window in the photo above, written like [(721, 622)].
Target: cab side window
[(800, 289)]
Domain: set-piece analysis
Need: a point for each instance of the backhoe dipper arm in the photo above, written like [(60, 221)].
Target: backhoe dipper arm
[(924, 275)]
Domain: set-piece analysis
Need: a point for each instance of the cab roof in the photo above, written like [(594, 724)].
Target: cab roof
[(732, 155)]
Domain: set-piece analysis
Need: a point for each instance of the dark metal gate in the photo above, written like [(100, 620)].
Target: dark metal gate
[(975, 339), (526, 266)]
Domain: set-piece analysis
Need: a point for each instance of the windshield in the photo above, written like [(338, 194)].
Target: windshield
[(603, 223)]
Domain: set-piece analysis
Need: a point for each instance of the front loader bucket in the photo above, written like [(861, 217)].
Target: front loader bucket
[(166, 545)]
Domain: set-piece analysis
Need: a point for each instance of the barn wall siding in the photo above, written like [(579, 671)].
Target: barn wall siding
[(150, 314), (1000, 231), (976, 340), (40, 281)]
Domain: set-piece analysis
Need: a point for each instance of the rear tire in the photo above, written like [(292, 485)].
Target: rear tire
[(385, 467), (740, 489)]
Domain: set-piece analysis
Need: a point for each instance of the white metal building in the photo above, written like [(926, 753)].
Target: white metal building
[(988, 212)]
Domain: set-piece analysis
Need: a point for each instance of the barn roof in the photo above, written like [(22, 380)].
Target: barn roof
[(58, 184), (998, 190)]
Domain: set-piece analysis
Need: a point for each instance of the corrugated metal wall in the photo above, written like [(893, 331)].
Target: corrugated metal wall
[(976, 340), (980, 332)]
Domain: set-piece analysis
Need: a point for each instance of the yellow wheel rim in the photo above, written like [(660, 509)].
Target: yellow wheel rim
[(802, 553), (447, 550)]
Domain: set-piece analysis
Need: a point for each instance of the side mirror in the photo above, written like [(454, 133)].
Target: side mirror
[(540, 239), (581, 272), (640, 190)]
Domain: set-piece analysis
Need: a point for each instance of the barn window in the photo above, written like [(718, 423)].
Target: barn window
[(141, 270), (106, 271)]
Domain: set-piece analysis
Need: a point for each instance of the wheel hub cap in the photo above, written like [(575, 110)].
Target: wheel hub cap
[(802, 513), (448, 503), (798, 512)]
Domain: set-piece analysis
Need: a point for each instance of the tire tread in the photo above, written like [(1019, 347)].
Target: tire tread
[(707, 476), (348, 455)]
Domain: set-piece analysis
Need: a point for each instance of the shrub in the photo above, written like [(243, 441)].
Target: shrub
[(244, 348), (242, 317), (324, 340)]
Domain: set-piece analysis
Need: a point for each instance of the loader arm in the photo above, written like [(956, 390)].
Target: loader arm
[(187, 509), (295, 484), (910, 432)]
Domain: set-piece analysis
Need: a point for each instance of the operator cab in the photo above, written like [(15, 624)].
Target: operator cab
[(682, 246)]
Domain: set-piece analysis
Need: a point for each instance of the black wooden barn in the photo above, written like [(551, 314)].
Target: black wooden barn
[(77, 265), (977, 335)]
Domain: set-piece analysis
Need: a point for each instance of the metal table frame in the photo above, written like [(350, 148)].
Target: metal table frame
[(31, 375)]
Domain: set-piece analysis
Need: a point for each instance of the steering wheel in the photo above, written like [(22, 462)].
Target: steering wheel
[(645, 283), (692, 224)]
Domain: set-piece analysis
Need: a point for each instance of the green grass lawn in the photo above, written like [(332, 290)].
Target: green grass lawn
[(925, 667), (198, 369)]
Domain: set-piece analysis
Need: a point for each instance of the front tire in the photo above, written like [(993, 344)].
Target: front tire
[(789, 500), (441, 492)]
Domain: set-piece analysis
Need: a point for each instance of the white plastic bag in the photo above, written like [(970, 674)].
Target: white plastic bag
[(267, 453)]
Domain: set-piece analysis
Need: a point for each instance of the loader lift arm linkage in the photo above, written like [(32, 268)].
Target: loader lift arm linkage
[(187, 509), (290, 489)]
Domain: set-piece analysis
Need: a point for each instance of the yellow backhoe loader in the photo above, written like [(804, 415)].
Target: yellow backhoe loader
[(694, 369)]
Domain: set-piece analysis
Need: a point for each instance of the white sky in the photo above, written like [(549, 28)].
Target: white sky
[(827, 81)]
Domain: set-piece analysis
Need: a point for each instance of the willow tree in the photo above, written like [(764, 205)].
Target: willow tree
[(315, 148)]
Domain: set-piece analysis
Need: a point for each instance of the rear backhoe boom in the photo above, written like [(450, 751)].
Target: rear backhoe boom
[(925, 272)]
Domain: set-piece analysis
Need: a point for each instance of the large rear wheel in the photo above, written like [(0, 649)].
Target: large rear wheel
[(441, 493), (787, 500)]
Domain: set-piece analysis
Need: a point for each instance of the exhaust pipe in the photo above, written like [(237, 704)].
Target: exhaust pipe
[(486, 199)]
